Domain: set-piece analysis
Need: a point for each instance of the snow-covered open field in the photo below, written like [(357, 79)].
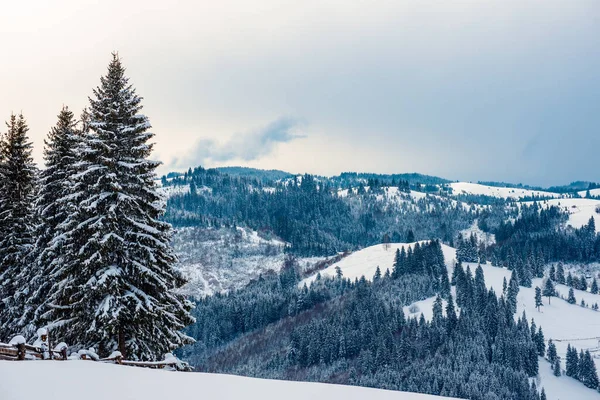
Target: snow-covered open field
[(593, 192), (365, 261), (76, 380), (501, 192)]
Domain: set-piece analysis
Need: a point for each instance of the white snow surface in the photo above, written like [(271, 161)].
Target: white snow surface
[(593, 192), (74, 380), (365, 261), (501, 192)]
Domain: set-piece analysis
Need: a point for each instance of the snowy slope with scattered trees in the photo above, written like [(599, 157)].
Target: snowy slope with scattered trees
[(96, 381), (494, 191), (579, 210), (365, 262)]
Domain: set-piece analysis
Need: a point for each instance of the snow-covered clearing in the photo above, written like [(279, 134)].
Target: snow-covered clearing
[(501, 192), (593, 192), (365, 261), (74, 380)]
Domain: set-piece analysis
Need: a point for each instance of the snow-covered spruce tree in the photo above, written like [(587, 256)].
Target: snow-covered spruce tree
[(17, 188), (116, 289), (53, 207)]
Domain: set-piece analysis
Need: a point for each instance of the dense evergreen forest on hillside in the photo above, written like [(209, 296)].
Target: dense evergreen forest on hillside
[(310, 213), (316, 216), (356, 332)]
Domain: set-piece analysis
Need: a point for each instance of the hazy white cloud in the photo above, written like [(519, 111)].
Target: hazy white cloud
[(247, 147)]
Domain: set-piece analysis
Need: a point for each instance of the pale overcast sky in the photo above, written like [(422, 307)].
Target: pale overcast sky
[(469, 90)]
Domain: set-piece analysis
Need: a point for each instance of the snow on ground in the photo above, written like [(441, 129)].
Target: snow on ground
[(493, 191), (365, 261), (74, 380), (593, 192), (579, 210), (563, 387)]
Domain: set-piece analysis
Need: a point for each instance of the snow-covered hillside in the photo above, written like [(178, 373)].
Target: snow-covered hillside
[(75, 380), (366, 261), (501, 192), (579, 210), (593, 192)]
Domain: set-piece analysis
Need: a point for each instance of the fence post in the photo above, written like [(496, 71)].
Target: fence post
[(50, 352), (21, 351)]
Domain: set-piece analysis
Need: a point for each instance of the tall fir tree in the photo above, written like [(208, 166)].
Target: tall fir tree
[(17, 188), (551, 353), (559, 276), (572, 363), (571, 299), (512, 292), (118, 273), (587, 371), (538, 298), (556, 367), (52, 209), (549, 290)]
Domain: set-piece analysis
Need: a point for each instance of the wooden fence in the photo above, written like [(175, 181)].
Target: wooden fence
[(23, 352)]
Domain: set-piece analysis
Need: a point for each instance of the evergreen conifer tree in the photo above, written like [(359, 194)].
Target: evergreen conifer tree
[(572, 366), (594, 288), (118, 275), (588, 373), (52, 209), (551, 353), (556, 367), (569, 281), (512, 292), (451, 318), (538, 298), (571, 298), (549, 290), (17, 191), (560, 274)]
